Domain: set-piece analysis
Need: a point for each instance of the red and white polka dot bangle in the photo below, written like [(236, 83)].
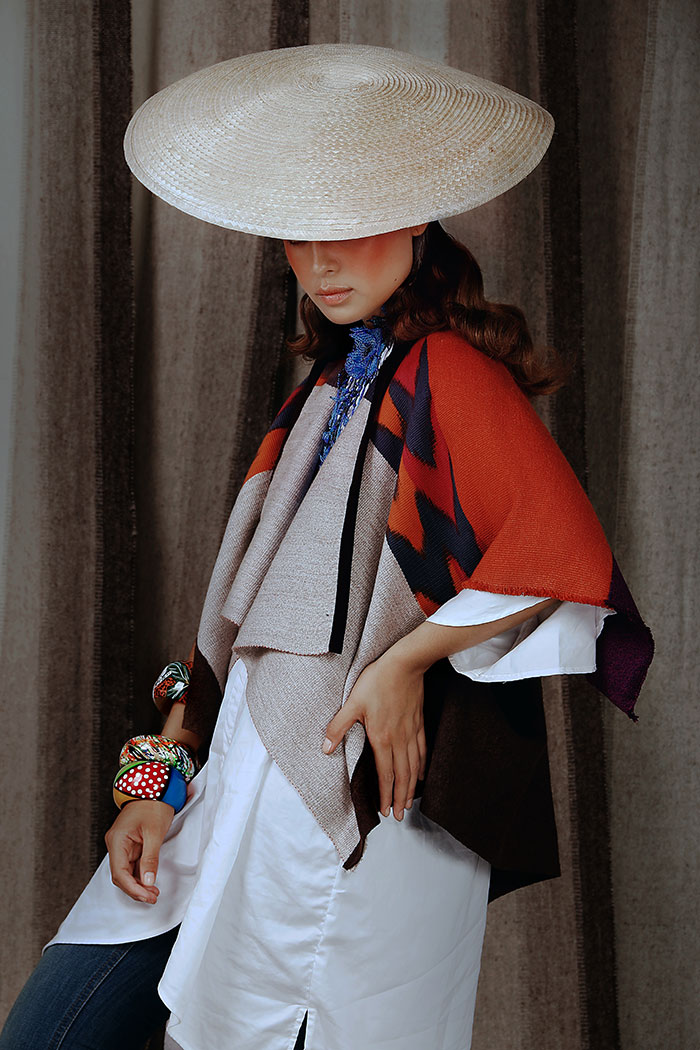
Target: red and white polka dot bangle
[(155, 781)]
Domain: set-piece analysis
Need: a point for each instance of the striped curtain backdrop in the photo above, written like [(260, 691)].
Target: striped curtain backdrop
[(149, 358)]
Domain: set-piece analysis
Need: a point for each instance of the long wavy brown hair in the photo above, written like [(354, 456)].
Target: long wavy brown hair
[(445, 291)]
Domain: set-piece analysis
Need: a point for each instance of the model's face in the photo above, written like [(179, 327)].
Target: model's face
[(350, 280)]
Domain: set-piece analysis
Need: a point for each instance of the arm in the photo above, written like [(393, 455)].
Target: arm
[(430, 642), (135, 838), (388, 699), (173, 728)]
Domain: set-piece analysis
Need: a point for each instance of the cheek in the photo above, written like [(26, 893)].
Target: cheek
[(390, 257)]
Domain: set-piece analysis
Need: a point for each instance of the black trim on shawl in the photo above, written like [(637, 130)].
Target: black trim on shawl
[(376, 393)]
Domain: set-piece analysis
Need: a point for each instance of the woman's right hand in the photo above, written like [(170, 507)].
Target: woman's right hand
[(134, 842)]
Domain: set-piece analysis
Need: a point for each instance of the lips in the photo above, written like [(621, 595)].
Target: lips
[(333, 296)]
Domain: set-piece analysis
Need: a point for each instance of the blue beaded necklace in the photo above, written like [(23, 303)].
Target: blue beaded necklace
[(369, 349)]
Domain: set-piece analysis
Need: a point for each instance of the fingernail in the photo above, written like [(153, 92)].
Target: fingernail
[(327, 745), (385, 812), (149, 879), (399, 815), (409, 803), (145, 900)]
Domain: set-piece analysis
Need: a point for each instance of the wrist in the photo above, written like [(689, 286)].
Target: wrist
[(409, 655), (429, 642)]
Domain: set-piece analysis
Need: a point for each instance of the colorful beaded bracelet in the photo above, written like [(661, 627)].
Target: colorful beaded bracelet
[(156, 748), (171, 685), (153, 781)]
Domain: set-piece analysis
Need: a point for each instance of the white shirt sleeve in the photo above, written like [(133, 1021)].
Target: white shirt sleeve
[(558, 641)]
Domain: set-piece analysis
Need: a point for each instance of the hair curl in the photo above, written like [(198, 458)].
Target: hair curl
[(445, 291)]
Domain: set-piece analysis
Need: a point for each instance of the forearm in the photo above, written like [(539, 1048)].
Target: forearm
[(173, 728), (430, 642)]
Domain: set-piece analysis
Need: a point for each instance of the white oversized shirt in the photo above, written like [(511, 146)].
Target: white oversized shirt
[(383, 957)]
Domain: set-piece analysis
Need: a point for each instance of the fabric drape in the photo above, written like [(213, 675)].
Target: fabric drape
[(149, 364)]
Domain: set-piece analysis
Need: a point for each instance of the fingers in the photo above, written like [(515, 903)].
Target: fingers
[(397, 774), (148, 862), (339, 725), (122, 861), (385, 776), (153, 831), (399, 767), (134, 842), (422, 752), (414, 766), (402, 778), (389, 703)]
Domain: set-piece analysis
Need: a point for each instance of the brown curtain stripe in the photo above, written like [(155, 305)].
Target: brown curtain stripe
[(267, 375), (267, 362), (53, 570), (290, 23), (582, 705), (114, 405)]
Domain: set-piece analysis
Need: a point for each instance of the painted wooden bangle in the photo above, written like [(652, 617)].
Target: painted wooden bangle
[(150, 781), (171, 685), (152, 747)]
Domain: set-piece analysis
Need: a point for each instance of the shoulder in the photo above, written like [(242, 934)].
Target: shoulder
[(452, 347), (463, 379), (477, 405), (450, 357)]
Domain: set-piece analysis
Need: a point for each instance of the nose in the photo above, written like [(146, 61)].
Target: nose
[(323, 258)]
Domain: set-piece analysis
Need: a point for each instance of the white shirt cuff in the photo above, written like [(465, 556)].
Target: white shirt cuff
[(560, 641)]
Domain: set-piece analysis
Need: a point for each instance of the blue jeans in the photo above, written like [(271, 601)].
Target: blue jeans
[(91, 997), (94, 997)]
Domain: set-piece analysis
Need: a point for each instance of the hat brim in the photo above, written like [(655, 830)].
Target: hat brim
[(333, 141)]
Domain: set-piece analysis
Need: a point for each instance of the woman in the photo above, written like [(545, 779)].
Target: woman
[(408, 552)]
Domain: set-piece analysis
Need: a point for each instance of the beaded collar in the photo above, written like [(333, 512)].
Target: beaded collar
[(370, 347)]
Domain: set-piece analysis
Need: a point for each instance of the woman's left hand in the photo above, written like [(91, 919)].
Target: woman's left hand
[(388, 699)]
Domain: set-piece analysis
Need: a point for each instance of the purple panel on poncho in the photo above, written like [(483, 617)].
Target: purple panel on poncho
[(625, 648)]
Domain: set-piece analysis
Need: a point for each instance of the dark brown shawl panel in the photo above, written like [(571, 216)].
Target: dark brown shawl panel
[(487, 746), (487, 776)]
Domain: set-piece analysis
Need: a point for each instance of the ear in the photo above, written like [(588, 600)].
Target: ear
[(416, 231)]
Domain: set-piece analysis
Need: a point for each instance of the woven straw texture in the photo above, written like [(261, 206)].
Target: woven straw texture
[(333, 141)]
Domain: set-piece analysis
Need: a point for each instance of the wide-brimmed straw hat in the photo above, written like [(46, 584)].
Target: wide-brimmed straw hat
[(333, 141)]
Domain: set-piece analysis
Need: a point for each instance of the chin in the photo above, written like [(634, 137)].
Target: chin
[(339, 315)]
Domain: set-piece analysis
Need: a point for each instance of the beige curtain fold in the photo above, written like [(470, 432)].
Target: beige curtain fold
[(654, 782), (50, 626), (150, 359)]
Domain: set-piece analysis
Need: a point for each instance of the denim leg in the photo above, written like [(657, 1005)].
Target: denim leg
[(91, 997)]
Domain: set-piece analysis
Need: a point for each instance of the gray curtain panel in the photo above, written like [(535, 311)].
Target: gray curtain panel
[(69, 533), (150, 359)]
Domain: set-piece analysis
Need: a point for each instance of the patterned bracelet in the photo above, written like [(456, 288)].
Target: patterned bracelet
[(171, 685), (155, 748), (153, 781)]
